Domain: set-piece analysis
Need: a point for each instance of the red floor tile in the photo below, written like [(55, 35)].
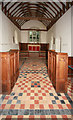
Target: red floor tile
[(31, 106), (36, 101), (60, 106), (40, 98), (41, 106), (22, 106), (12, 106), (32, 97), (50, 106), (3, 106), (69, 106)]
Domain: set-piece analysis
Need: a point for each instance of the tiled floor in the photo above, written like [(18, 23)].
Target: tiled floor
[(33, 95)]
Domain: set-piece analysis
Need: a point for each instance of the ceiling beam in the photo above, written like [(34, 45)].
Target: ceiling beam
[(40, 12), (31, 18), (33, 29)]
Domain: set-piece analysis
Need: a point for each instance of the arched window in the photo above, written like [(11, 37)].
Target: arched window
[(34, 36), (16, 37)]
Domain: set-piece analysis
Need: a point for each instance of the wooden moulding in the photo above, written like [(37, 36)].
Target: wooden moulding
[(9, 70), (58, 70)]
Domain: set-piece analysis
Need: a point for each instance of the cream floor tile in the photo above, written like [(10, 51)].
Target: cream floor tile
[(14, 101), (14, 117), (7, 106), (36, 106), (17, 106), (4, 102), (58, 102), (55, 106), (59, 116), (64, 106)]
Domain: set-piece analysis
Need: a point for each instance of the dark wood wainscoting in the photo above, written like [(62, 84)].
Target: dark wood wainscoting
[(9, 70), (43, 52), (43, 46)]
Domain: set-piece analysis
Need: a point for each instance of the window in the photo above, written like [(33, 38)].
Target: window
[(34, 36), (15, 37)]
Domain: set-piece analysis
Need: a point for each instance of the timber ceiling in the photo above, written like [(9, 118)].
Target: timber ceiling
[(46, 12)]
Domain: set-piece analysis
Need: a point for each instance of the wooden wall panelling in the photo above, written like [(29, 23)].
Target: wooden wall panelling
[(16, 63), (54, 69), (24, 46), (19, 46), (50, 65), (12, 69)]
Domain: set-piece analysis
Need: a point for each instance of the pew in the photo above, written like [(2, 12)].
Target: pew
[(70, 70), (70, 66), (9, 70), (58, 70)]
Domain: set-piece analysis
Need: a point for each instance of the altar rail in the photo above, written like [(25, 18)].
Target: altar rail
[(58, 70)]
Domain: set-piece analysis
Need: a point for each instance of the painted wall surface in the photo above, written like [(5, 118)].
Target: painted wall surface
[(7, 32), (0, 29), (72, 31), (33, 24), (61, 31)]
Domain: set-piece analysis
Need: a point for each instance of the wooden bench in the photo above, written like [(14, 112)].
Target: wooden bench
[(71, 67), (70, 73), (58, 70)]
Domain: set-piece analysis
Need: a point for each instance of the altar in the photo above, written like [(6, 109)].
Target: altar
[(33, 48)]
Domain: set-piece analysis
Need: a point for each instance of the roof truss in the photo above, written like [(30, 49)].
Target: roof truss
[(46, 12)]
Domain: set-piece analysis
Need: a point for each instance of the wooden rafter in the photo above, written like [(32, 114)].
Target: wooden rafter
[(39, 11), (30, 18), (44, 4), (57, 17), (5, 5), (49, 3), (46, 12)]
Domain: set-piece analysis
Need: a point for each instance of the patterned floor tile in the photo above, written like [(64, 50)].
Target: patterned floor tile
[(33, 95)]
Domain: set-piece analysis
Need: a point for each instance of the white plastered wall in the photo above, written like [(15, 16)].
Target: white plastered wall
[(7, 33), (72, 31), (33, 24), (61, 31)]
